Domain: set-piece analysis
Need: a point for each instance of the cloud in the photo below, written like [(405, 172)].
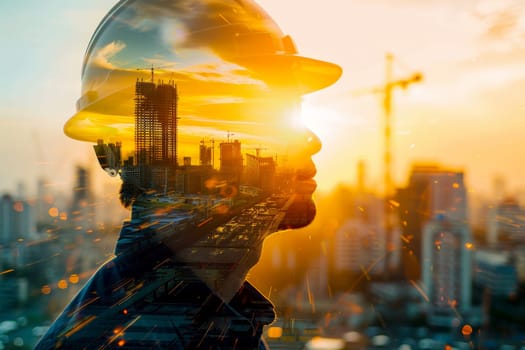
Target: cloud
[(502, 24), (103, 55)]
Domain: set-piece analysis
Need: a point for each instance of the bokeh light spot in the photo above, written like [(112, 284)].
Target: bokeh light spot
[(74, 278), (466, 330), (275, 332), (18, 207)]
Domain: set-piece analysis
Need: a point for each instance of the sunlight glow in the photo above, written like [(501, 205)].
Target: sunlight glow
[(319, 119)]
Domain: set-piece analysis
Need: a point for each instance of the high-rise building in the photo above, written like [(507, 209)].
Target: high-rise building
[(499, 188), (82, 211), (24, 220), (361, 244), (154, 164), (206, 153), (447, 269), (495, 272), (6, 219), (17, 220), (194, 178), (506, 224), (431, 190), (155, 161), (360, 247), (316, 278), (260, 172), (231, 160), (44, 202), (17, 226), (156, 123), (13, 292)]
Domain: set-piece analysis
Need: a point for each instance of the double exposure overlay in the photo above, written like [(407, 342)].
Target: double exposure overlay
[(198, 98), (195, 106), (163, 184)]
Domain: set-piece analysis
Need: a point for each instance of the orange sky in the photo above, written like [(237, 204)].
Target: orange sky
[(467, 113)]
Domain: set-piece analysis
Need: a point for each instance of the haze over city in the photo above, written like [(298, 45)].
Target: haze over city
[(466, 113), (439, 259)]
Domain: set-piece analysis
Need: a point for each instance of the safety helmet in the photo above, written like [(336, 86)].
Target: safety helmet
[(168, 81)]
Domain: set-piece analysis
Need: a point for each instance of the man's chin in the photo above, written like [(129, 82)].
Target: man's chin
[(300, 213)]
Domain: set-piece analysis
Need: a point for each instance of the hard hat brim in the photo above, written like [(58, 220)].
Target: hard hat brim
[(309, 74), (289, 74)]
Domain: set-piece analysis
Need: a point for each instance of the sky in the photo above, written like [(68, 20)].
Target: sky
[(466, 114)]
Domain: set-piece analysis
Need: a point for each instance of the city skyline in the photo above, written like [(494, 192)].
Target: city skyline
[(445, 262), (499, 266), (470, 65)]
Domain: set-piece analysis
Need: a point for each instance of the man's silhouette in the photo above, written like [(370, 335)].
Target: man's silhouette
[(225, 88)]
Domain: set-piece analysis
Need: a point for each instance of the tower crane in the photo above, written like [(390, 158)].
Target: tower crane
[(386, 90)]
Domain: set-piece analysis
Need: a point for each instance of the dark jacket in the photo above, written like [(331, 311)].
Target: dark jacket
[(149, 301)]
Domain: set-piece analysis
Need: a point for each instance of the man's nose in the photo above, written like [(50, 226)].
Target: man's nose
[(305, 143), (313, 143)]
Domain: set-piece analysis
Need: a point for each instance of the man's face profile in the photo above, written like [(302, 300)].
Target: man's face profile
[(198, 101), (195, 104)]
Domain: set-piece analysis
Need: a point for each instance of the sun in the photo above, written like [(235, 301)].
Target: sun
[(321, 120)]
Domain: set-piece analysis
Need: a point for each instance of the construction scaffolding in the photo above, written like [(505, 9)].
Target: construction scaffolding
[(156, 134)]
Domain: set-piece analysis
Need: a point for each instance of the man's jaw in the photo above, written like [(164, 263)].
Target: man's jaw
[(301, 211)]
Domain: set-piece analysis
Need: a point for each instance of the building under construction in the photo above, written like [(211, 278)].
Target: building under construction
[(231, 161), (154, 166), (155, 136), (260, 172)]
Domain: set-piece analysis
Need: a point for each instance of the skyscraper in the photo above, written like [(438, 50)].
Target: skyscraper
[(17, 220), (156, 123), (447, 269), (260, 172), (361, 242), (6, 219), (506, 224), (44, 201), (360, 246), (495, 271), (231, 160), (156, 134), (82, 212), (431, 190)]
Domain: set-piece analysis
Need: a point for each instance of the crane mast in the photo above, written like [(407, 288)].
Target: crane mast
[(387, 90)]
